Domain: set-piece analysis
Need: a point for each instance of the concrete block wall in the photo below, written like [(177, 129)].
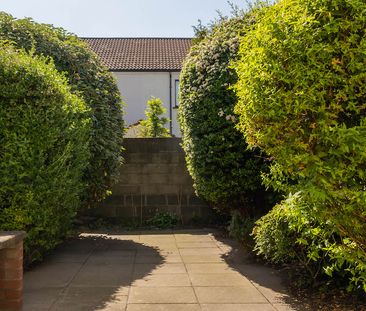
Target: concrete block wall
[(153, 179), (11, 271)]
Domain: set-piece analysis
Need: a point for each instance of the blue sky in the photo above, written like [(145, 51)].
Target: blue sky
[(121, 18)]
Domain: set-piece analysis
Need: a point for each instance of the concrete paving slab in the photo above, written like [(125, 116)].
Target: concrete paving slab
[(77, 246), (110, 306), (51, 274), (68, 258), (193, 238), (114, 244), (163, 246), (34, 307), (94, 295), (267, 281), (157, 237), (214, 295), (162, 295), (92, 298), (166, 268), (163, 307), (210, 258), (103, 275), (158, 258), (101, 252), (219, 279), (157, 280), (194, 268), (200, 245), (112, 257), (42, 296), (126, 237), (121, 261), (204, 251), (237, 307)]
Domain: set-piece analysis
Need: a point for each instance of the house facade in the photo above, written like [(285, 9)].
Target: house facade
[(145, 68)]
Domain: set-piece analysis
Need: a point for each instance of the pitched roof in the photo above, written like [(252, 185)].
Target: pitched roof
[(141, 54)]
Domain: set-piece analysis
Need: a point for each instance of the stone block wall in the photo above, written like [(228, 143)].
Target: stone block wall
[(153, 179), (11, 271)]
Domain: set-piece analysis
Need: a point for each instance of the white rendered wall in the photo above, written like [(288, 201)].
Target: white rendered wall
[(138, 87)]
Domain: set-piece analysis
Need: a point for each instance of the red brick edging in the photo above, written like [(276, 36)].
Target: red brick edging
[(11, 271)]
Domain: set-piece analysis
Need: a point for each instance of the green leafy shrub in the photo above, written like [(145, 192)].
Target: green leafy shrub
[(224, 171), (44, 139), (302, 90), (240, 227), (154, 125), (163, 220), (87, 78), (290, 234)]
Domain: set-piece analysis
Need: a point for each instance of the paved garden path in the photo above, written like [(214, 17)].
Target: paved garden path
[(172, 271)]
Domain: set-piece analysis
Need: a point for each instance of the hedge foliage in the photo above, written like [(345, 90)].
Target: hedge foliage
[(89, 79), (290, 234), (224, 172), (302, 90), (44, 139)]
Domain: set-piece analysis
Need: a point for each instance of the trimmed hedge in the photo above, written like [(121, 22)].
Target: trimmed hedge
[(224, 171), (44, 139), (290, 234), (302, 90), (89, 79)]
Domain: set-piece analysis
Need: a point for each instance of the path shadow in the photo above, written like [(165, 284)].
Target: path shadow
[(91, 272), (274, 283)]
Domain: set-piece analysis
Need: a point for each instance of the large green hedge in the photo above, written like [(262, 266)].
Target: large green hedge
[(89, 79), (44, 149), (302, 89), (225, 173), (291, 234)]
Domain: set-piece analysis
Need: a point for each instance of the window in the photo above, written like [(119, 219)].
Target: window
[(176, 104)]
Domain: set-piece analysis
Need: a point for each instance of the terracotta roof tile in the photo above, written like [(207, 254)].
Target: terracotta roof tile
[(141, 54)]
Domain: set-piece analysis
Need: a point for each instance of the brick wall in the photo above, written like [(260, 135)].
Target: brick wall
[(153, 179), (11, 271)]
